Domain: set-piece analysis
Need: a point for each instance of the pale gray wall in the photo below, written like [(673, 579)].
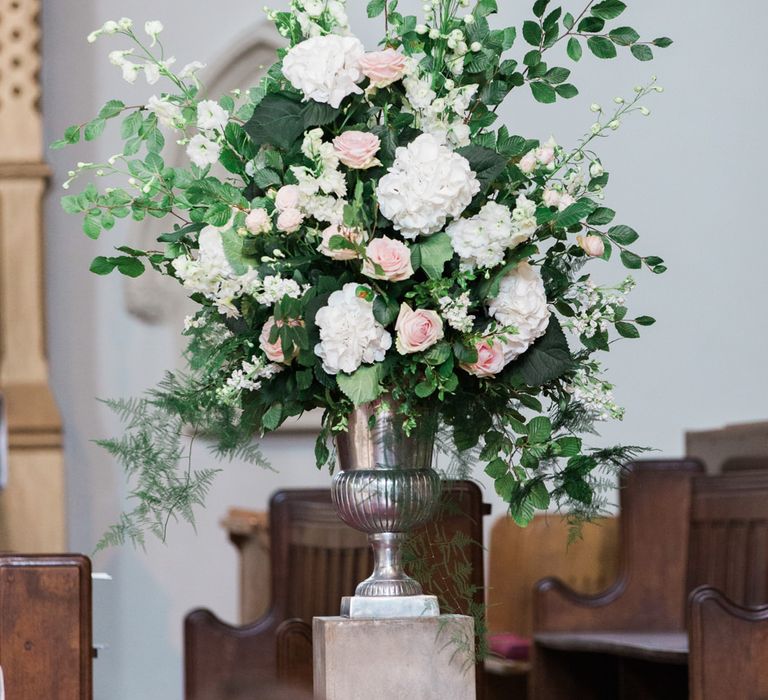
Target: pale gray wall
[(690, 179)]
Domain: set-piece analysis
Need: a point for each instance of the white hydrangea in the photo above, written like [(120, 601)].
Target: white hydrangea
[(521, 304), (426, 185), (482, 240), (349, 333), (325, 68), (456, 312), (211, 274)]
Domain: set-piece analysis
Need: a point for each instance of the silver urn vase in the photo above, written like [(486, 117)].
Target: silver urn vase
[(386, 487)]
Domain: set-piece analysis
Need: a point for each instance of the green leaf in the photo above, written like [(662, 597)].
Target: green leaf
[(547, 359), (532, 32), (91, 226), (278, 121), (486, 7), (574, 213), (591, 24), (102, 265), (436, 250), (623, 235), (131, 267), (543, 93), (555, 76), (641, 52), (497, 468), (111, 109), (568, 20), (662, 42), (70, 204), (627, 330), (539, 496), (233, 250), (574, 49), (318, 114), (539, 7), (425, 389), (568, 446), (601, 47), (601, 216), (385, 313), (567, 91), (93, 129), (485, 162), (624, 36), (363, 385), (630, 260), (72, 134), (539, 429), (272, 418), (376, 7), (131, 125), (532, 58), (645, 320), (608, 9)]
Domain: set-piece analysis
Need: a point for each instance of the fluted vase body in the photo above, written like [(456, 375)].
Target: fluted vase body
[(386, 487)]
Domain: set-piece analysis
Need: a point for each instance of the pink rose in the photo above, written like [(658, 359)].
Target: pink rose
[(258, 221), (591, 245), (274, 351), (353, 235), (551, 198), (383, 67), (357, 149), (392, 257), (545, 154), (528, 162), (417, 330), (287, 198), (490, 358), (565, 201), (290, 220)]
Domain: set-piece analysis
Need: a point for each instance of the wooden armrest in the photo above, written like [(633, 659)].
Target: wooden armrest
[(720, 629), (558, 606)]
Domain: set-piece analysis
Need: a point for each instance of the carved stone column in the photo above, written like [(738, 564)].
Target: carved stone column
[(32, 504)]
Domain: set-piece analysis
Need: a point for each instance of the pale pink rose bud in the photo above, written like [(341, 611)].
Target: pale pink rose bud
[(353, 235), (417, 330), (274, 351), (287, 198), (591, 245), (545, 154), (490, 358), (383, 67), (565, 201), (528, 162), (357, 149), (258, 221), (393, 258), (551, 198), (290, 220)]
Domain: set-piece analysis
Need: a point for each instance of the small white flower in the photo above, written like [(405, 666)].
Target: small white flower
[(168, 113), (596, 169), (190, 70), (211, 116), (202, 151), (595, 107), (153, 29), (130, 71), (125, 24), (476, 46)]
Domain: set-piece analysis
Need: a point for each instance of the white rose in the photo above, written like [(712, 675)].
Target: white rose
[(522, 303), (349, 333), (325, 68), (482, 240), (427, 184)]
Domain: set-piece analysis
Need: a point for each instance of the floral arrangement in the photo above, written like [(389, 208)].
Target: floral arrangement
[(357, 225)]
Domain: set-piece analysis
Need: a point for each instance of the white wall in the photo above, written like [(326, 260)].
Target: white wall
[(690, 179)]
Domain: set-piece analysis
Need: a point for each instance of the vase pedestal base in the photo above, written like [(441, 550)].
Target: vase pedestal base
[(389, 607), (429, 658)]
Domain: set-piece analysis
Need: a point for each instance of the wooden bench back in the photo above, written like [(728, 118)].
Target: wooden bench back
[(519, 557), (729, 535)]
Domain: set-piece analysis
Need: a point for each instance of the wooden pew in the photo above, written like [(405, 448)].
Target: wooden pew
[(680, 529), (45, 627)]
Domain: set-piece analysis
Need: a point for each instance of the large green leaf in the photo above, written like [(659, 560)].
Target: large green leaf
[(485, 162), (548, 358), (435, 252), (278, 120), (363, 385)]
